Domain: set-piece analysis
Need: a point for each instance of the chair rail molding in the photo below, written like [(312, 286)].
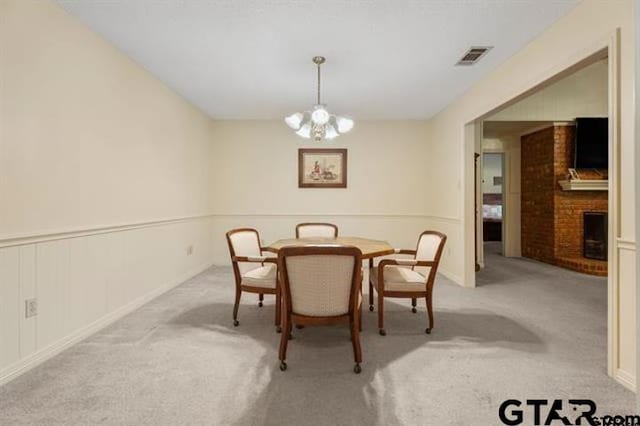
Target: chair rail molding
[(55, 235), (625, 244), (452, 219)]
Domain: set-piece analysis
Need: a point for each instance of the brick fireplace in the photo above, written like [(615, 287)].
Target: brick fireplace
[(594, 237), (553, 220)]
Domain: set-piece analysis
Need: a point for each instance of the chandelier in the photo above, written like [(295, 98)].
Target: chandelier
[(318, 123)]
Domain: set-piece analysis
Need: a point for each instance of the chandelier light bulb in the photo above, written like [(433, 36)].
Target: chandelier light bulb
[(344, 124), (305, 131), (320, 115), (294, 120), (330, 132)]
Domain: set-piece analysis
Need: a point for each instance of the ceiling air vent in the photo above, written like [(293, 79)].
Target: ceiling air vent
[(473, 55)]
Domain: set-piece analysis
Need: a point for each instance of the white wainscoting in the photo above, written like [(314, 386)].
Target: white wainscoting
[(400, 230), (624, 307), (85, 280)]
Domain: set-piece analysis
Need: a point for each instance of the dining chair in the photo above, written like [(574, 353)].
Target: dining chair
[(408, 278), (321, 285), (304, 230), (253, 272)]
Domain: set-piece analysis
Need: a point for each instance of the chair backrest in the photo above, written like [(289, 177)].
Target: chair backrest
[(244, 242), (321, 281), (304, 230), (430, 246)]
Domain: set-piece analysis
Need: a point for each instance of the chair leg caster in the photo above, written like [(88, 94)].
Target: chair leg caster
[(382, 332), (236, 323), (414, 310), (371, 308), (260, 304), (357, 369), (299, 327), (278, 329), (283, 366), (428, 330)]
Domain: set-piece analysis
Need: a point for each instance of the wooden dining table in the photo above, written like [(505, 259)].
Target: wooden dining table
[(369, 248)]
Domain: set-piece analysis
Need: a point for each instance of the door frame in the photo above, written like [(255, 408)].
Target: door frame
[(503, 157), (607, 47), (637, 206)]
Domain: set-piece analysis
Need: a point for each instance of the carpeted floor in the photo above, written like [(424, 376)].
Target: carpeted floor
[(528, 331)]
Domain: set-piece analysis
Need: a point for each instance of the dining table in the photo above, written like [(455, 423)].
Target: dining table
[(369, 248)]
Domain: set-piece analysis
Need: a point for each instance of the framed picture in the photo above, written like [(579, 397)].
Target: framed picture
[(322, 168)]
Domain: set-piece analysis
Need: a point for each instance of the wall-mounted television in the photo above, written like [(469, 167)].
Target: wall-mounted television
[(592, 143)]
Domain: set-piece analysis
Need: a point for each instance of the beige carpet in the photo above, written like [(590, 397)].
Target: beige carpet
[(528, 331)]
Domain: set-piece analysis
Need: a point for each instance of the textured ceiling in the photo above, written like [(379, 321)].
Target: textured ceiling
[(251, 59)]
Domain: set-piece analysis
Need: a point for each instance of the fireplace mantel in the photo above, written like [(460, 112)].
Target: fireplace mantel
[(585, 185)]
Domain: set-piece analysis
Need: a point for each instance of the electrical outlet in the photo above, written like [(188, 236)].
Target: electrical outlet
[(189, 250), (30, 308)]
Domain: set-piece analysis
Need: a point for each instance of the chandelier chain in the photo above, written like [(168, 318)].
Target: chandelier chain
[(318, 97)]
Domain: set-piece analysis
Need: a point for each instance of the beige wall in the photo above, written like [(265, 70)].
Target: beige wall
[(255, 181), (255, 170), (491, 167), (583, 31), (72, 107), (581, 94), (89, 140)]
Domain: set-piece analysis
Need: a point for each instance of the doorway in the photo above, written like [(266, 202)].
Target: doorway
[(493, 212), (473, 139)]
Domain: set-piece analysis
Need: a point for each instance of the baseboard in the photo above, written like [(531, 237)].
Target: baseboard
[(625, 379), (450, 275), (23, 365)]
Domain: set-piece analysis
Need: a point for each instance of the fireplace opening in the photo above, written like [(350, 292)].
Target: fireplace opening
[(595, 235)]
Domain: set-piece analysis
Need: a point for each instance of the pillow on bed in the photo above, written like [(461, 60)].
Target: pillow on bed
[(491, 211)]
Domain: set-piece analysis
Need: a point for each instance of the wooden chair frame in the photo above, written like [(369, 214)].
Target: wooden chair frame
[(427, 293), (300, 225), (353, 317), (261, 291)]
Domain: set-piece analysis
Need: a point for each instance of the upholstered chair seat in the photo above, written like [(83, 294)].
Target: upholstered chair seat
[(398, 278), (263, 276)]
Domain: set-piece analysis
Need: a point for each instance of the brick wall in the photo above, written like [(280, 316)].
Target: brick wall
[(537, 182), (552, 219), (570, 205)]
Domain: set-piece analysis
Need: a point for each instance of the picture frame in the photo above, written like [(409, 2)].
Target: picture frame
[(322, 168)]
